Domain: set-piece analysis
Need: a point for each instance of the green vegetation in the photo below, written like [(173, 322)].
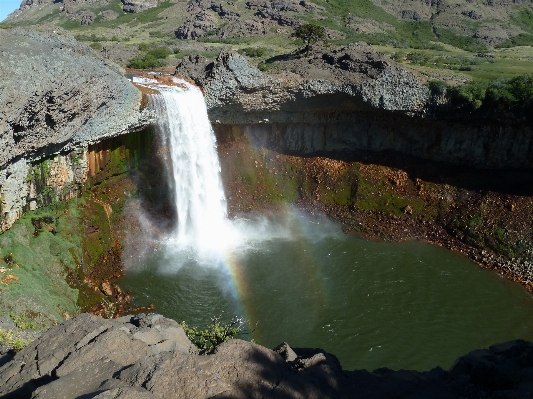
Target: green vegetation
[(512, 94), (522, 39), (96, 46), (216, 333), (149, 58), (467, 43), (23, 321), (35, 255), (253, 51), (10, 338), (310, 34)]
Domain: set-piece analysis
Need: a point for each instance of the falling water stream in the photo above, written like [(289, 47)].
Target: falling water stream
[(300, 279)]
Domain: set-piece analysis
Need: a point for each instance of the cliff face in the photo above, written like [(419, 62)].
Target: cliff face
[(56, 94), (236, 92), (351, 99), (56, 97)]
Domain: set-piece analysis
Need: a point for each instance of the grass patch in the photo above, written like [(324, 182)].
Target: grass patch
[(149, 58), (39, 260), (523, 39), (524, 19), (12, 339), (467, 43)]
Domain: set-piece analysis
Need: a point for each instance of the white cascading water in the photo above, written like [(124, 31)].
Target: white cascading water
[(194, 169), (203, 233)]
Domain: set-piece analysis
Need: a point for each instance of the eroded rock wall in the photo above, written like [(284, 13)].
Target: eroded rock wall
[(27, 185), (352, 100), (478, 145), (57, 98)]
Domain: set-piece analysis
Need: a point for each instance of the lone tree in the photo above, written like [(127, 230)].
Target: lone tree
[(310, 34)]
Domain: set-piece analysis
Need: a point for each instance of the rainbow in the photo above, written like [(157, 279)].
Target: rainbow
[(237, 278)]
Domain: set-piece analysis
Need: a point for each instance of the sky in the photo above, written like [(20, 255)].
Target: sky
[(7, 7)]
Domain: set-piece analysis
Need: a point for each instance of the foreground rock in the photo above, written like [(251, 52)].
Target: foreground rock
[(149, 356)]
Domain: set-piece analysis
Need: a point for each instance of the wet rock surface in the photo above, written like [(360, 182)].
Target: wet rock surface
[(149, 356)]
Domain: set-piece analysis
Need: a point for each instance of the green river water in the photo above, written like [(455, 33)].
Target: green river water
[(373, 304)]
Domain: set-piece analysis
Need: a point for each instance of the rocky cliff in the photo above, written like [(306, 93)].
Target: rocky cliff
[(56, 94), (349, 100), (357, 76), (149, 356), (56, 97)]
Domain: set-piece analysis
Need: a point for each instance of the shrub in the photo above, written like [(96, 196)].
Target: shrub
[(472, 93), (264, 67), (253, 51), (418, 57), (23, 321), (437, 87), (215, 333), (509, 92), (96, 46), (10, 339), (151, 58)]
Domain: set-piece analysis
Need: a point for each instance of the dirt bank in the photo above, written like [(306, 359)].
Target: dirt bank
[(469, 211)]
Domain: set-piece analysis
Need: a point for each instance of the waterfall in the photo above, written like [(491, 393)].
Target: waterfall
[(203, 234), (194, 168)]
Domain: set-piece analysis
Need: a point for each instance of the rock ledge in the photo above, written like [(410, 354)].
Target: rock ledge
[(149, 356)]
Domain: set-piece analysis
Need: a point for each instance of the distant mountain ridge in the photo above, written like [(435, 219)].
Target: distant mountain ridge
[(462, 23)]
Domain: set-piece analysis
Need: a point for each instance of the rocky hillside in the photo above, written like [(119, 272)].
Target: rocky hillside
[(462, 23), (371, 80), (148, 356)]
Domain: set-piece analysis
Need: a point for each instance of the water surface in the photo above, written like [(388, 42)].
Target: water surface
[(372, 304)]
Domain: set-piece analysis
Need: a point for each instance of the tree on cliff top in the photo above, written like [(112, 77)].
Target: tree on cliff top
[(310, 34)]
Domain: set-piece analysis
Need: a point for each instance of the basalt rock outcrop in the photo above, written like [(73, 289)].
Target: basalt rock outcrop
[(237, 92), (56, 94), (351, 100), (56, 97), (149, 356)]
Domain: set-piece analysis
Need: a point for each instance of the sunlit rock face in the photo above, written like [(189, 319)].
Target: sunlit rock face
[(56, 97), (149, 356), (56, 94), (138, 5), (351, 99)]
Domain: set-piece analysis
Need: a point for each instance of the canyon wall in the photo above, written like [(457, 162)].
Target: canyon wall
[(57, 98), (352, 100), (465, 143), (27, 185)]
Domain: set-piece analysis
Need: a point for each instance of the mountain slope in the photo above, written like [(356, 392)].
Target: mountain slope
[(471, 24)]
